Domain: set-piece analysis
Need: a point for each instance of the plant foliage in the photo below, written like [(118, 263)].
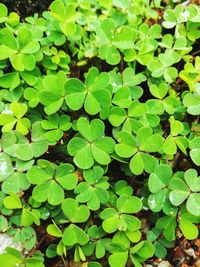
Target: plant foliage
[(99, 116)]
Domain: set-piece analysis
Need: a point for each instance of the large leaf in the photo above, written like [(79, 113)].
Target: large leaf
[(73, 212), (74, 235)]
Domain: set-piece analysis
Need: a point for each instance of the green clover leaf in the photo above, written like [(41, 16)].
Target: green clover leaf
[(3, 12), (173, 140), (159, 91), (94, 95), (127, 145), (16, 145), (66, 15), (174, 17), (6, 168), (12, 117), (138, 253), (143, 52), (94, 189), (105, 34), (108, 40), (30, 216), (141, 162), (12, 256), (190, 74), (157, 183), (122, 97), (92, 145), (10, 80), (189, 230), (186, 190), (73, 212), (141, 114), (168, 224), (195, 150), (118, 258), (15, 182), (101, 243), (191, 102), (31, 94), (52, 180), (121, 187), (179, 193), (141, 252), (160, 243), (74, 235), (56, 126), (19, 50), (145, 141), (12, 201), (53, 94), (192, 180), (120, 217), (54, 230), (162, 66), (49, 191), (176, 127), (135, 110), (187, 219)]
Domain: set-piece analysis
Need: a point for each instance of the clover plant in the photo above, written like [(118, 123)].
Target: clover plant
[(90, 144), (94, 189), (13, 258), (100, 132)]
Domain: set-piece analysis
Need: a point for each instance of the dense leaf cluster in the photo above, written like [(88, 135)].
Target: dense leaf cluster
[(99, 116)]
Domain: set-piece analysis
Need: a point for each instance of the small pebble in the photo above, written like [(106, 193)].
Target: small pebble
[(197, 264), (190, 252), (7, 241), (164, 264)]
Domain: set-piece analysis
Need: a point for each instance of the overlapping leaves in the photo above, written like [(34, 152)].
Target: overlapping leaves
[(84, 74), (90, 144), (51, 180)]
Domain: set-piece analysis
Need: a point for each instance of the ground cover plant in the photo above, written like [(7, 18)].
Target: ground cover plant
[(100, 133)]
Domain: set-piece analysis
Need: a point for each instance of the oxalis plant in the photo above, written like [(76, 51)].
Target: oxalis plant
[(100, 133)]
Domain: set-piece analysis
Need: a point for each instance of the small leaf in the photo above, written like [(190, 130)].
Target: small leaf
[(12, 201), (73, 212), (74, 235), (195, 150), (179, 192), (53, 230), (118, 259), (193, 204), (189, 230)]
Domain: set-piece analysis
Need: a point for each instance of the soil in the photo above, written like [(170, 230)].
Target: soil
[(27, 7)]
